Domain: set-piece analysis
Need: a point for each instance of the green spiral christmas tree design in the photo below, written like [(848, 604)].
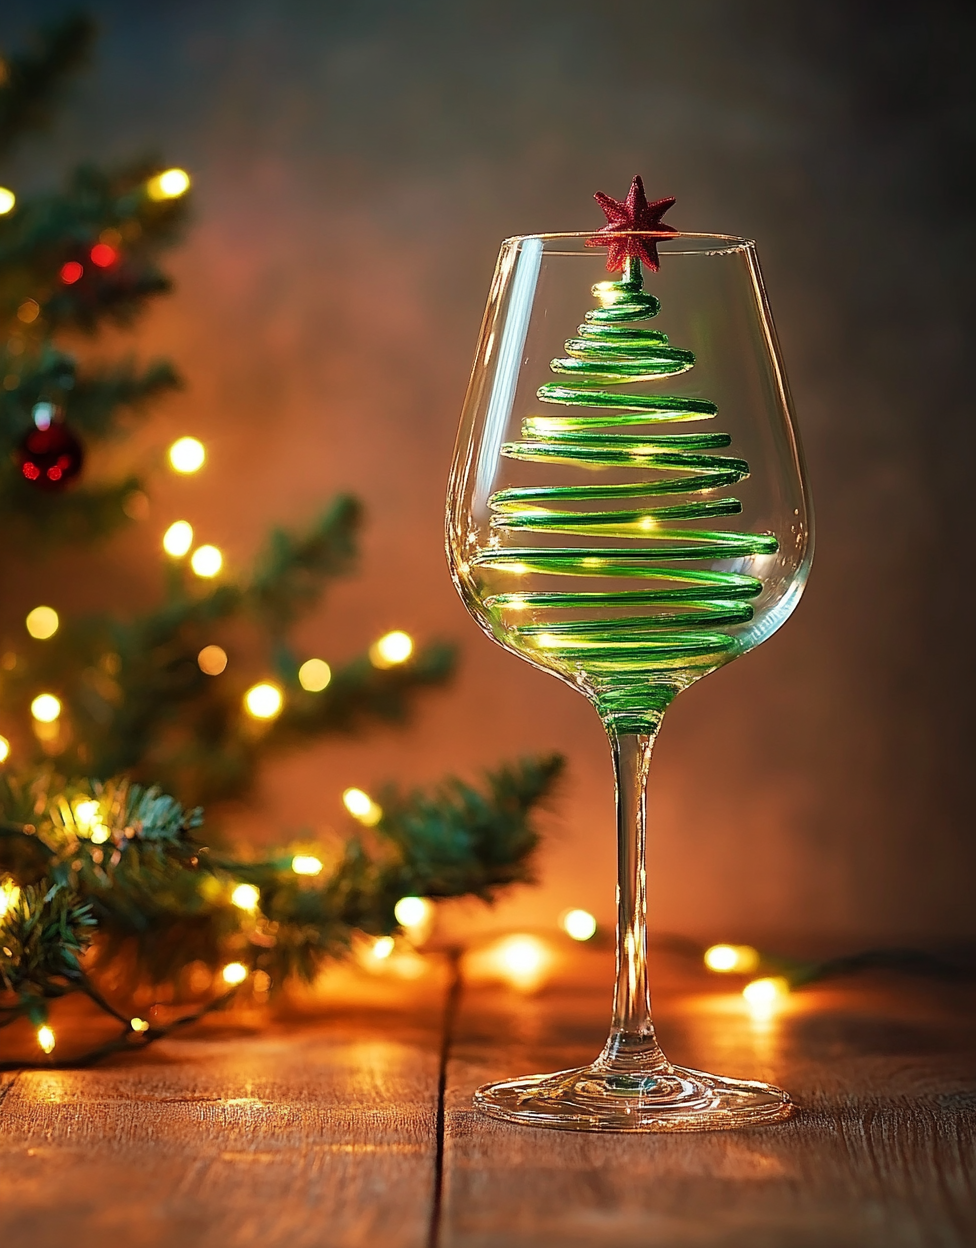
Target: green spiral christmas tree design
[(632, 648)]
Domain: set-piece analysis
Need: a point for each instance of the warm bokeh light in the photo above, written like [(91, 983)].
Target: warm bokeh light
[(100, 834), (4, 749), (29, 311), (412, 911), (71, 272), (7, 201), (187, 455), (206, 561), (234, 973), (246, 897), (522, 961), (306, 864), (763, 995), (86, 812), (178, 538), (103, 255), (314, 675), (168, 185), (383, 947), (9, 896), (362, 807), (46, 1039), (138, 1024), (42, 622), (393, 648), (724, 958), (212, 660), (579, 924), (263, 701), (46, 708)]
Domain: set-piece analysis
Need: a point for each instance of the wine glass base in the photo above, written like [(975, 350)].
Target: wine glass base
[(593, 1098)]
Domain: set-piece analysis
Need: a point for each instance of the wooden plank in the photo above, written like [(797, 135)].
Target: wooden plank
[(882, 1153), (317, 1135)]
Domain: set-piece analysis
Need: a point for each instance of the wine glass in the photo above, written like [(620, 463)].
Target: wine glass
[(627, 510)]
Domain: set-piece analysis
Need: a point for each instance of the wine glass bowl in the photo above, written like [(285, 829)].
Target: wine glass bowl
[(627, 511)]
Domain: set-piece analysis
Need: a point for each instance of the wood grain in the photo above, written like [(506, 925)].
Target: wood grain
[(321, 1138), (322, 1133), (881, 1153)]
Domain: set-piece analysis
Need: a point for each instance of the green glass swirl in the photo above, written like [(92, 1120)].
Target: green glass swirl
[(633, 649)]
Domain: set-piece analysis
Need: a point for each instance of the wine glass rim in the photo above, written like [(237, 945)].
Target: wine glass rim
[(726, 243)]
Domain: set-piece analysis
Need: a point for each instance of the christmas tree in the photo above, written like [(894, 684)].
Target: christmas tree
[(116, 731)]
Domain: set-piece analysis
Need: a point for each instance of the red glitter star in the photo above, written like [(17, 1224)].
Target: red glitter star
[(632, 213)]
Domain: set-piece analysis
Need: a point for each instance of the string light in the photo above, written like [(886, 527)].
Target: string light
[(86, 812), (578, 924), (263, 701), (314, 675), (103, 255), (46, 708), (46, 1039), (206, 561), (71, 272), (383, 947), (246, 897), (212, 660), (7, 201), (42, 622), (522, 960), (178, 538), (393, 648), (763, 995), (138, 1024), (9, 896), (306, 864), (88, 821), (168, 185), (412, 911), (4, 749), (725, 958), (234, 973), (187, 455), (362, 807)]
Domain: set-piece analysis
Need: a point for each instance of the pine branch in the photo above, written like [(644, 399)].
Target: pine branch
[(46, 232), (137, 701), (117, 871), (32, 82), (289, 576)]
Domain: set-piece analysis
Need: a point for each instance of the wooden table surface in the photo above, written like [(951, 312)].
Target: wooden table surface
[(355, 1127)]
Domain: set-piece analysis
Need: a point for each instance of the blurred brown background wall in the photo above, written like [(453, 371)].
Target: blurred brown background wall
[(355, 167)]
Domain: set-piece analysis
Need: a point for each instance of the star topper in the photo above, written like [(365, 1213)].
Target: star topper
[(632, 213)]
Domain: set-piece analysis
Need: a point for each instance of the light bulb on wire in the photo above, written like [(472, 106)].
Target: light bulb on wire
[(391, 649), (178, 538), (263, 701), (206, 561), (42, 622), (170, 184), (46, 708), (187, 455), (362, 807)]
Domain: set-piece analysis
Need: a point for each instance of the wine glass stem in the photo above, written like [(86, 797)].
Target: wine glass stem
[(632, 1044)]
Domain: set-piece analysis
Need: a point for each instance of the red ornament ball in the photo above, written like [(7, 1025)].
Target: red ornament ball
[(50, 458)]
